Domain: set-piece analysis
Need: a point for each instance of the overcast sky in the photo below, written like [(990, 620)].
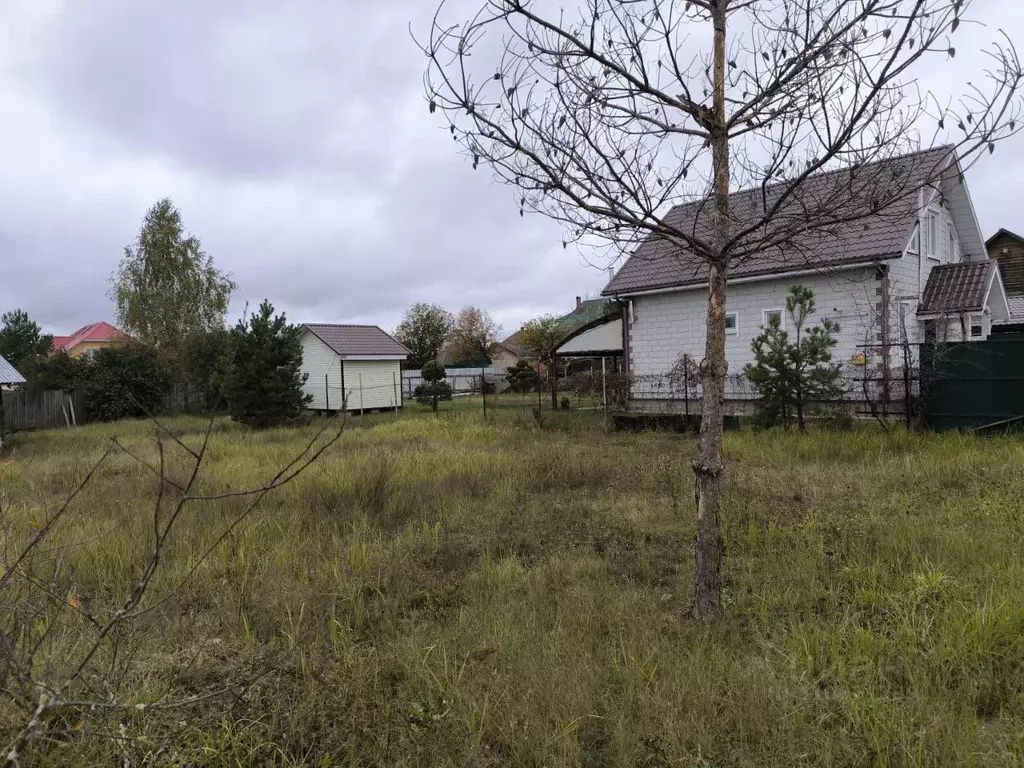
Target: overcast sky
[(295, 139)]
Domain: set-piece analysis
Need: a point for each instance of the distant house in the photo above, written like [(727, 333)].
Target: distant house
[(1006, 248), (358, 365), (505, 354), (86, 341)]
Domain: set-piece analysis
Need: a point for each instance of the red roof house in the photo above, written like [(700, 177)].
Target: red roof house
[(90, 337)]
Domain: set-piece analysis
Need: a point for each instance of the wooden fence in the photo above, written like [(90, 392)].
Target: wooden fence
[(42, 410)]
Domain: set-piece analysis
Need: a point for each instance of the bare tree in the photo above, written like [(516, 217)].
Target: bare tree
[(472, 335), (607, 116)]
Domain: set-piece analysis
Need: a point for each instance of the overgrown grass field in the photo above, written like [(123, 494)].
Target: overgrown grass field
[(450, 592)]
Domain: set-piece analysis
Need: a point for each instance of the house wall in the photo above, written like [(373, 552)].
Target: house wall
[(667, 325), (502, 358), (80, 350), (373, 383), (320, 361)]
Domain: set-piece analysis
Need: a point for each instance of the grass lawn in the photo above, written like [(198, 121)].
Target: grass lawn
[(448, 592)]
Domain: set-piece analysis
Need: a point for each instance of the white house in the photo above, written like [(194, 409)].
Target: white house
[(914, 270), (355, 365)]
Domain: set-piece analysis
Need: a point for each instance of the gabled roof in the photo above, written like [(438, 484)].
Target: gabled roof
[(362, 340), (8, 373), (1002, 233), (850, 228), (94, 332), (954, 288)]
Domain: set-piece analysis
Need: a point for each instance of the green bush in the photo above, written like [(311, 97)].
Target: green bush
[(522, 377), (124, 382), (57, 371), (431, 394)]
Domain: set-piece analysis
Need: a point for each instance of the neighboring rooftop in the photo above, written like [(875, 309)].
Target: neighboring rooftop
[(955, 288), (873, 234), (1007, 248), (585, 313), (8, 373), (1016, 310), (94, 332), (357, 339)]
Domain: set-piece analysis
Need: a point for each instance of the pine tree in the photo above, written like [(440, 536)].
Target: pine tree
[(21, 338), (789, 375), (263, 386)]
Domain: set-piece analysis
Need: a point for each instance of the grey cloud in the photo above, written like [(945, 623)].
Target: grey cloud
[(295, 138)]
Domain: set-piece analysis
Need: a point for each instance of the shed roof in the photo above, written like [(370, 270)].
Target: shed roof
[(363, 340), (960, 287), (8, 373), (849, 227)]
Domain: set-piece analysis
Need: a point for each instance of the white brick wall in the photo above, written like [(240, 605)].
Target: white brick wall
[(668, 325)]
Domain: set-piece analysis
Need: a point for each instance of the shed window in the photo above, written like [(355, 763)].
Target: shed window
[(731, 324), (977, 327)]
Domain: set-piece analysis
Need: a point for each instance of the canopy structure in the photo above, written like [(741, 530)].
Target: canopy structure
[(8, 374)]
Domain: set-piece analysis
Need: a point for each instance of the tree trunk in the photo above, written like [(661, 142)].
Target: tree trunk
[(708, 467), (799, 382)]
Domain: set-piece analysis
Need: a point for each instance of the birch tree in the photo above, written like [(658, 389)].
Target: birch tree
[(606, 114)]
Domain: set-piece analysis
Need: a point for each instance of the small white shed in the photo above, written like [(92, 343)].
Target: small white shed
[(358, 365)]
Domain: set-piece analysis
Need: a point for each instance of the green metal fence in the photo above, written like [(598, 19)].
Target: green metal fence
[(977, 385)]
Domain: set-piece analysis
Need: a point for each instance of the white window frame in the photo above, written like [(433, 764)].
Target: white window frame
[(782, 317), (973, 320), (735, 330), (933, 234), (914, 246)]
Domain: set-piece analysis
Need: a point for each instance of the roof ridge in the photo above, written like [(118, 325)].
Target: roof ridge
[(832, 172)]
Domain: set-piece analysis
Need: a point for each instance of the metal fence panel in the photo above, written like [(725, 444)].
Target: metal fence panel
[(976, 385)]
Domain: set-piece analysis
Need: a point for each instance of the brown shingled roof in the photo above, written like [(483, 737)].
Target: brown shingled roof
[(356, 339), (874, 234), (957, 287)]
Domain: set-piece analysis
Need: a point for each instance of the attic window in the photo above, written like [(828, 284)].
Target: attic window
[(977, 327), (914, 246), (731, 324), (931, 235)]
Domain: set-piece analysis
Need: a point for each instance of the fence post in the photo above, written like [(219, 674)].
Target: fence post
[(327, 395), (360, 394), (394, 386), (483, 390), (686, 388)]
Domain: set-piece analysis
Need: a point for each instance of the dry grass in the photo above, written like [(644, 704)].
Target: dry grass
[(449, 592)]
